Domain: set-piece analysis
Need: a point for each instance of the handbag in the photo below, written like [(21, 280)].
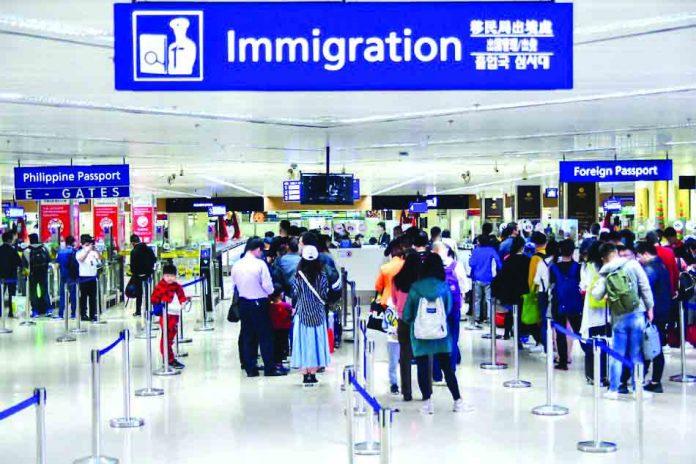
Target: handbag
[(376, 305), (530, 309), (134, 288), (651, 342), (157, 310), (376, 322), (233, 312)]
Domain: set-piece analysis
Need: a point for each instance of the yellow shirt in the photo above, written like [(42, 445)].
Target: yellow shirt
[(533, 264)]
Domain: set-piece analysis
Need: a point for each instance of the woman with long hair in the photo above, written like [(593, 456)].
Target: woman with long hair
[(310, 341)]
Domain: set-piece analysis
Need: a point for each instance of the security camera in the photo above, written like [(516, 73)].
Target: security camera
[(466, 177), (495, 168)]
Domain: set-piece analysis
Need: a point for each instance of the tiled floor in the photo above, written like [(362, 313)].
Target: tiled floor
[(213, 414)]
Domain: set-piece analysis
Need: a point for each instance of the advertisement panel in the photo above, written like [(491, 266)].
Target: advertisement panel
[(54, 216), (105, 216), (143, 222)]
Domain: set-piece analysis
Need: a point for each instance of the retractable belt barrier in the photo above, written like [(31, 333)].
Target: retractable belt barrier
[(205, 288), (599, 345), (38, 398), (384, 415), (516, 382), (493, 364), (683, 377)]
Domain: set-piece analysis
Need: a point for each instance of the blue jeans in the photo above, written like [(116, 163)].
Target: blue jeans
[(394, 351), (482, 298), (73, 301), (628, 334)]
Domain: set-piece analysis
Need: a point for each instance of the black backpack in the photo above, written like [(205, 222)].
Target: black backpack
[(39, 259), (73, 266)]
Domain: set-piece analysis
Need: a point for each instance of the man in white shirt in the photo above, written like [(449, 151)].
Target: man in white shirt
[(252, 279), (88, 261)]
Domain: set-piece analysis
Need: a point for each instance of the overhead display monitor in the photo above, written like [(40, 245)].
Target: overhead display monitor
[(217, 210), (687, 182), (551, 192), (320, 189), (14, 212)]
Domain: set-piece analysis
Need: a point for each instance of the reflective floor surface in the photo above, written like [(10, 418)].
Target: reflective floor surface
[(214, 414)]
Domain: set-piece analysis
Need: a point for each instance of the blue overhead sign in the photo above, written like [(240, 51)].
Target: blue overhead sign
[(615, 170), (320, 46), (72, 182)]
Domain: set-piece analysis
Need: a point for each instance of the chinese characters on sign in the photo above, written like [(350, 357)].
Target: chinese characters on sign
[(517, 44)]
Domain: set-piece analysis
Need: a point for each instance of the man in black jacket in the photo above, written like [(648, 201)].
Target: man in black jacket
[(142, 265), (9, 263)]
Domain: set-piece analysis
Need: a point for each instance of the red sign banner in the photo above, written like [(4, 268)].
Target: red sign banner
[(105, 217), (143, 222), (54, 216)]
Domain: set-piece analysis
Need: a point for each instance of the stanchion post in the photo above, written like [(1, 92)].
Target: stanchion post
[(100, 302), (596, 445), (683, 377), (493, 364), (369, 447), (40, 425), (167, 369), (181, 338), (204, 327), (127, 421), (96, 456), (348, 373), (638, 374), (516, 382), (3, 327), (67, 336), (361, 368), (149, 390), (27, 305), (385, 426), (78, 329), (549, 409)]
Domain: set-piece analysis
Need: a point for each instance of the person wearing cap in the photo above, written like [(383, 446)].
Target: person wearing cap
[(88, 261), (310, 341), (253, 282)]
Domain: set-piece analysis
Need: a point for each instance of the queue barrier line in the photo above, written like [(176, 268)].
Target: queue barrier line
[(601, 344), (38, 399), (21, 406), (193, 282), (371, 400), (9, 281), (113, 345)]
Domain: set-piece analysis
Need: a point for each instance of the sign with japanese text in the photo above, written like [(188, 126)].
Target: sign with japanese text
[(325, 46)]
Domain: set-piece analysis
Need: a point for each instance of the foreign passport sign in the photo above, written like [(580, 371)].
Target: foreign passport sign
[(322, 46), (615, 170), (72, 182)]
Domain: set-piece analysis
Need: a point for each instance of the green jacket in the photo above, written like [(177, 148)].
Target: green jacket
[(430, 289)]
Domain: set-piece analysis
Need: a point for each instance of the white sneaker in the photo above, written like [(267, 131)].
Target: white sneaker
[(667, 349), (611, 395), (646, 395), (461, 406), (428, 408), (439, 383), (536, 349)]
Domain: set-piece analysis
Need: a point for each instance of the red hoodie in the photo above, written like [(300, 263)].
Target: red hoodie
[(667, 257)]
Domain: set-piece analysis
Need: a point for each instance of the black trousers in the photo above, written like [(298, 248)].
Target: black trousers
[(8, 293), (39, 280), (589, 356), (281, 345), (561, 340), (256, 332), (88, 294), (425, 384), (405, 357)]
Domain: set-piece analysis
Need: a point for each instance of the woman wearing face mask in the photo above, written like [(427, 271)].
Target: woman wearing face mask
[(455, 276)]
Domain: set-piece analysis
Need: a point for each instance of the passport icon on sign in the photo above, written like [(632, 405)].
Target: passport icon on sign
[(168, 45)]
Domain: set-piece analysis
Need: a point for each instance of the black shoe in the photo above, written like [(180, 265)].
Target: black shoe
[(623, 390), (253, 374), (137, 314), (394, 389), (276, 373), (321, 370), (313, 379), (561, 367), (654, 387), (408, 398), (305, 380), (176, 365)]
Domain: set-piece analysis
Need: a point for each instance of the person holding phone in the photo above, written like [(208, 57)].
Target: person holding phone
[(88, 260)]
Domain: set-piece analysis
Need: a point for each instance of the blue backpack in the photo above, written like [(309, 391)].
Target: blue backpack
[(566, 292)]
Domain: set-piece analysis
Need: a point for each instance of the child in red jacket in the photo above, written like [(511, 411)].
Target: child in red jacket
[(169, 291), (281, 321)]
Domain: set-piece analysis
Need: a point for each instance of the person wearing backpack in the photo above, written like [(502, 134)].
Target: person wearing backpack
[(38, 260), (564, 278), (428, 304), (658, 275), (67, 264), (630, 299)]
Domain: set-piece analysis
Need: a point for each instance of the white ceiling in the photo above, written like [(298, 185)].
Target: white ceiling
[(635, 95)]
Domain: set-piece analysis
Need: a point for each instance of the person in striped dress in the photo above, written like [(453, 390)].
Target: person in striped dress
[(310, 341)]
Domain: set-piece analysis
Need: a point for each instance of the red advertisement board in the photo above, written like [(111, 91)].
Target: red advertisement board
[(143, 225), (54, 215), (105, 216)]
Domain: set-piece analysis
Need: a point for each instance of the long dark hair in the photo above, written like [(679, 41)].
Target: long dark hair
[(409, 273), (433, 267), (311, 269)]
